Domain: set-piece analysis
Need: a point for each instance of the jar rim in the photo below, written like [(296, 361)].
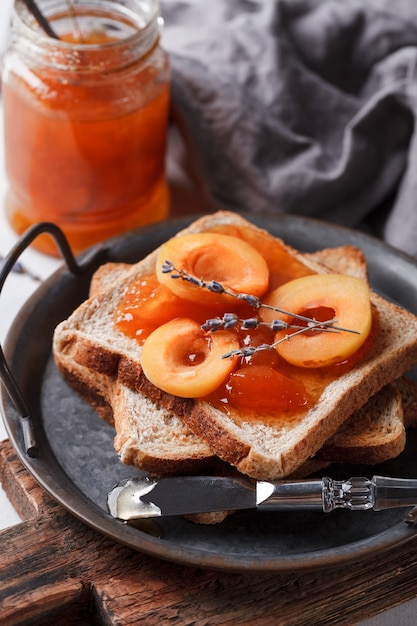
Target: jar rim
[(149, 32)]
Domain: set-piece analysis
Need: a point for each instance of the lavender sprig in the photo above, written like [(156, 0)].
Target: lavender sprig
[(215, 287), (212, 285), (230, 320)]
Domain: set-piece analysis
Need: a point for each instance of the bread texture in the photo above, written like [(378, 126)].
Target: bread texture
[(373, 434), (147, 436), (408, 391), (262, 448)]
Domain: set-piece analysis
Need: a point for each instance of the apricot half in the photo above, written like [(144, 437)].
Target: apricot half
[(230, 261), (322, 297), (181, 359)]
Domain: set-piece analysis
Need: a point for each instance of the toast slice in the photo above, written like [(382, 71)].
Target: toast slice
[(256, 448), (373, 434)]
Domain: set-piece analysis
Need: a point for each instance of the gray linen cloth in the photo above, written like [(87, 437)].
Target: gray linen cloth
[(301, 106)]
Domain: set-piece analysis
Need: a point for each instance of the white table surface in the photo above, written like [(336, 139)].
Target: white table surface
[(19, 287)]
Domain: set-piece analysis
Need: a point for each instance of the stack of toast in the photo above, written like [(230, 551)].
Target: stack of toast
[(361, 417)]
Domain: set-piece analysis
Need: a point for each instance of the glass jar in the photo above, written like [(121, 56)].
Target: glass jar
[(85, 119)]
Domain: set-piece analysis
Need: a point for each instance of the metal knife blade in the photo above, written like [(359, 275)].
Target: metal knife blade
[(138, 498), (146, 497)]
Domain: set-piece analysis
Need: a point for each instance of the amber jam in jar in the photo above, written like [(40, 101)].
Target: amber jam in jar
[(85, 119), (262, 387)]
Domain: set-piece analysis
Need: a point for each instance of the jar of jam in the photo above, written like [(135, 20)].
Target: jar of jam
[(85, 119)]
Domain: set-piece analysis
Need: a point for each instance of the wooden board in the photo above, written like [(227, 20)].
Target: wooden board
[(55, 570)]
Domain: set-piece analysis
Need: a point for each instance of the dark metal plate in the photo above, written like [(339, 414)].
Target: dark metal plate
[(77, 464)]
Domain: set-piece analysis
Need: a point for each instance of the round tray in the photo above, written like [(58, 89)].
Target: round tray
[(77, 465)]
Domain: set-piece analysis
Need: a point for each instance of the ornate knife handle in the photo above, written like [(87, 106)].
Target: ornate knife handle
[(378, 493), (327, 494), (357, 494)]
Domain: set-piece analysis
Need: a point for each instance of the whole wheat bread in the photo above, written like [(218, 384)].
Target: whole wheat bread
[(258, 449), (373, 434)]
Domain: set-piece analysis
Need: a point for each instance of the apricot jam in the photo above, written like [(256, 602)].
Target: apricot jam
[(263, 386), (148, 304), (85, 120)]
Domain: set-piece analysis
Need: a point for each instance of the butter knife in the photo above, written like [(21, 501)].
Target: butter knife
[(147, 497)]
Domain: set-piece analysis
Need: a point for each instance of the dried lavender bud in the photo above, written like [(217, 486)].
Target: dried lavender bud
[(250, 324), (278, 325), (253, 301), (167, 267), (212, 324), (230, 320), (193, 280), (215, 287)]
